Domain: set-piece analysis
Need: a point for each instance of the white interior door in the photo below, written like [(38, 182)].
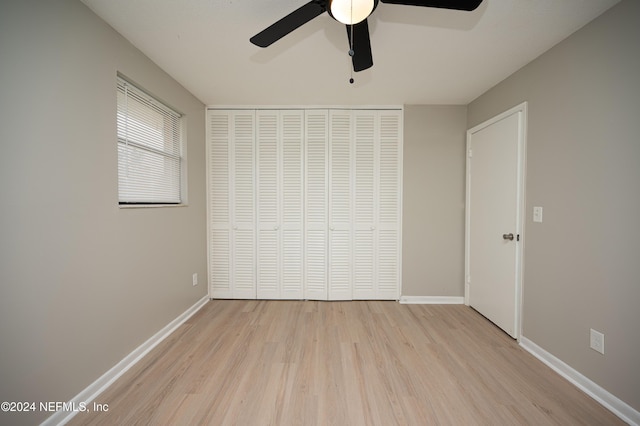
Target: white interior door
[(495, 194)]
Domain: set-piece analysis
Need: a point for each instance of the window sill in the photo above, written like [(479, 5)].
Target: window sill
[(149, 206)]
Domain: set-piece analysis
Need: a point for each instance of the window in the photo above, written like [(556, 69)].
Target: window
[(149, 149)]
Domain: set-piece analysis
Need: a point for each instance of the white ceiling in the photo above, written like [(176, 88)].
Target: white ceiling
[(421, 55)]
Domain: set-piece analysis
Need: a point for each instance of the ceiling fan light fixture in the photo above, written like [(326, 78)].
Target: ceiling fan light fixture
[(350, 12)]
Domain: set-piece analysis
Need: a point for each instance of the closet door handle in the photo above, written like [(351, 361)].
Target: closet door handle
[(275, 228)]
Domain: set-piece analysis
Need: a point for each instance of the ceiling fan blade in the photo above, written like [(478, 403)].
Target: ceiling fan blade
[(468, 5), (361, 45), (292, 21)]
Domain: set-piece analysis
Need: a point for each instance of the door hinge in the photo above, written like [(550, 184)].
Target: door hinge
[(470, 153), (468, 279)]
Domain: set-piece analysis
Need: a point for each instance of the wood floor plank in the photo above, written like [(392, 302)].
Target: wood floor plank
[(341, 363)]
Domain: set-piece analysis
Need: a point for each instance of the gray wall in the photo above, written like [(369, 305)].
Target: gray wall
[(82, 282), (582, 264), (433, 200)]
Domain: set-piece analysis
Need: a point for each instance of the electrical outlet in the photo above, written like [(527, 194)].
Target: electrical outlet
[(597, 341), (195, 279)]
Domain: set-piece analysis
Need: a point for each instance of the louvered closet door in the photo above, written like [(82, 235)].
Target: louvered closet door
[(243, 213), (232, 207), (305, 204), (268, 258), (376, 204), (280, 204), (389, 184), (315, 207), (364, 205), (340, 192), (220, 135), (292, 204)]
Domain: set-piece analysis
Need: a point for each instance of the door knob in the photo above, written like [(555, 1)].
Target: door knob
[(507, 237)]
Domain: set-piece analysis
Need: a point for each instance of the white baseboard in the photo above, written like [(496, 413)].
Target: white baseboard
[(100, 385), (431, 300), (604, 397)]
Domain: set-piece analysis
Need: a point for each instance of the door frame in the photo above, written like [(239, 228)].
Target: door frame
[(520, 109)]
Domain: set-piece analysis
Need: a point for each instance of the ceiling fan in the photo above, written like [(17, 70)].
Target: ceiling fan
[(352, 13)]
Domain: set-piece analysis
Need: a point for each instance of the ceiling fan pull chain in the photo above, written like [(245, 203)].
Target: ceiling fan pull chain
[(351, 51)]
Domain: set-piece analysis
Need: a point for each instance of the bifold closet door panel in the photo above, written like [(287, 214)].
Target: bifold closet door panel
[(244, 210), (279, 147), (220, 130), (376, 204), (232, 205), (340, 272), (364, 204), (389, 207), (292, 216), (316, 189), (268, 257)]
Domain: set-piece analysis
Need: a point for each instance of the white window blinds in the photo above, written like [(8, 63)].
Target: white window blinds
[(149, 149)]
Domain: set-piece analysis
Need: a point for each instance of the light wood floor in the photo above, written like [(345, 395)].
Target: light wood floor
[(342, 363)]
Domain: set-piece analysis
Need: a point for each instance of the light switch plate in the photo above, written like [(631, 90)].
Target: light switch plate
[(537, 214), (596, 341)]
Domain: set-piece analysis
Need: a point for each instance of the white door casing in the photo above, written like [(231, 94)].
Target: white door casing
[(495, 218)]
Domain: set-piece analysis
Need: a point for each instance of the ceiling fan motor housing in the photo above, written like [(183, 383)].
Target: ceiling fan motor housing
[(342, 8)]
